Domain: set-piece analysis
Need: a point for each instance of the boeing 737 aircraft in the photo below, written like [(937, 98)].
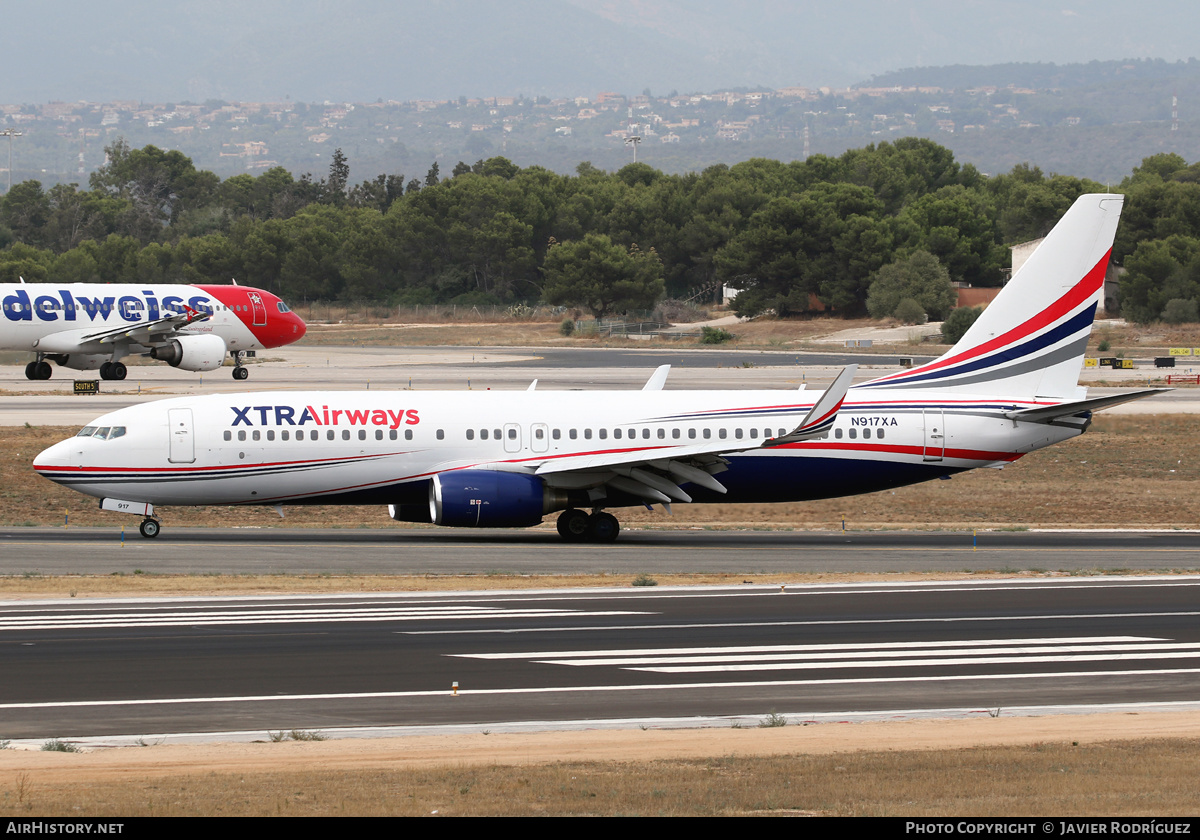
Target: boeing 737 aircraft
[(90, 326), (507, 459)]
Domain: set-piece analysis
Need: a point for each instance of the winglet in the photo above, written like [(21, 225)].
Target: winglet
[(194, 315), (657, 379), (820, 418)]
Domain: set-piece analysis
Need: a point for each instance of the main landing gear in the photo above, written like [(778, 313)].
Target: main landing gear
[(240, 372), (575, 525), (113, 370), (38, 370)]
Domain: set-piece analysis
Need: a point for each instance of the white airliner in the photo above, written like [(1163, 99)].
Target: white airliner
[(90, 326), (507, 459)]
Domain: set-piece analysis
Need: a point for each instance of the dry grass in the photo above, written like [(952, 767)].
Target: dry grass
[(1152, 777), (1128, 470)]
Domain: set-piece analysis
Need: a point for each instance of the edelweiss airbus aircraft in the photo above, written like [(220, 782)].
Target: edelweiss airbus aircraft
[(507, 459), (90, 326)]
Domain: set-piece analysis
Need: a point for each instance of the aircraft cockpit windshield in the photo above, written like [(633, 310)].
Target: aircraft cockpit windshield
[(283, 307), (102, 432)]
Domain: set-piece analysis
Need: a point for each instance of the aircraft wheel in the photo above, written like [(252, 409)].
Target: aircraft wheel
[(42, 370), (603, 527), (117, 371), (106, 370), (149, 528), (31, 371), (240, 373), (573, 525)]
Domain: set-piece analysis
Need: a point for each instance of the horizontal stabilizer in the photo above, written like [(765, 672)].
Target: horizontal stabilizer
[(1050, 413)]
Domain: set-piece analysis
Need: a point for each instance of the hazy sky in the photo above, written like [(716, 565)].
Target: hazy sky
[(362, 50)]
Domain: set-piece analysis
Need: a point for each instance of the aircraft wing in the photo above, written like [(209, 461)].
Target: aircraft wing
[(149, 333), (654, 473)]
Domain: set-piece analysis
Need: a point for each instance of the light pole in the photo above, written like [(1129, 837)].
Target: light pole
[(632, 140), (10, 134)]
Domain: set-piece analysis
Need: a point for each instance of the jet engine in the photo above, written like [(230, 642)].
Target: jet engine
[(491, 499), (192, 352)]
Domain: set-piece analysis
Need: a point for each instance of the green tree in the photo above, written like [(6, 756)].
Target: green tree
[(601, 276), (920, 278), (958, 322)]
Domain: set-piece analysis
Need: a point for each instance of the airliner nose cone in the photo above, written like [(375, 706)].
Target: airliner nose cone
[(52, 457)]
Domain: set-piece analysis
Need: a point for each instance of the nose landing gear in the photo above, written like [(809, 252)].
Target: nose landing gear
[(149, 528), (240, 372)]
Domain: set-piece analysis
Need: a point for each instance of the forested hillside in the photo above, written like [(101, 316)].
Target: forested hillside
[(795, 236)]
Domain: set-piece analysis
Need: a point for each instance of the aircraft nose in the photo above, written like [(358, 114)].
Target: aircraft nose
[(300, 327), (59, 455)]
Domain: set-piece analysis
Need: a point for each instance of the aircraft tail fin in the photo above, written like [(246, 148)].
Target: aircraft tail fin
[(1031, 340)]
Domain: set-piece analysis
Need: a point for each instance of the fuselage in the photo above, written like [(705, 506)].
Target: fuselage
[(56, 318), (367, 447)]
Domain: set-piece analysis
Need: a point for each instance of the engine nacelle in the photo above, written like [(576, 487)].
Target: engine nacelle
[(192, 352), (491, 499), (80, 361)]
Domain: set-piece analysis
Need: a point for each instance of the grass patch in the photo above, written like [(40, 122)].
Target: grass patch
[(1153, 777)]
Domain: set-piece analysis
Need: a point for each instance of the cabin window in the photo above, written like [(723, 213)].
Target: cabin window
[(604, 434), (329, 435), (378, 434), (362, 434), (270, 434), (228, 435), (675, 434), (539, 434), (470, 434), (512, 434), (754, 434), (496, 434), (241, 435), (572, 434), (483, 434), (617, 433), (853, 433), (837, 433), (285, 435), (257, 435), (441, 435), (707, 434), (645, 434), (691, 434), (408, 434), (721, 434), (866, 433), (737, 433), (587, 434), (556, 434)]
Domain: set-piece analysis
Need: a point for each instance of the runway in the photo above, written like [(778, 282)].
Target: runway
[(390, 550), (380, 663)]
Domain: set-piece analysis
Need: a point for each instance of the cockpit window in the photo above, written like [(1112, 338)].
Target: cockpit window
[(283, 307), (102, 432)]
